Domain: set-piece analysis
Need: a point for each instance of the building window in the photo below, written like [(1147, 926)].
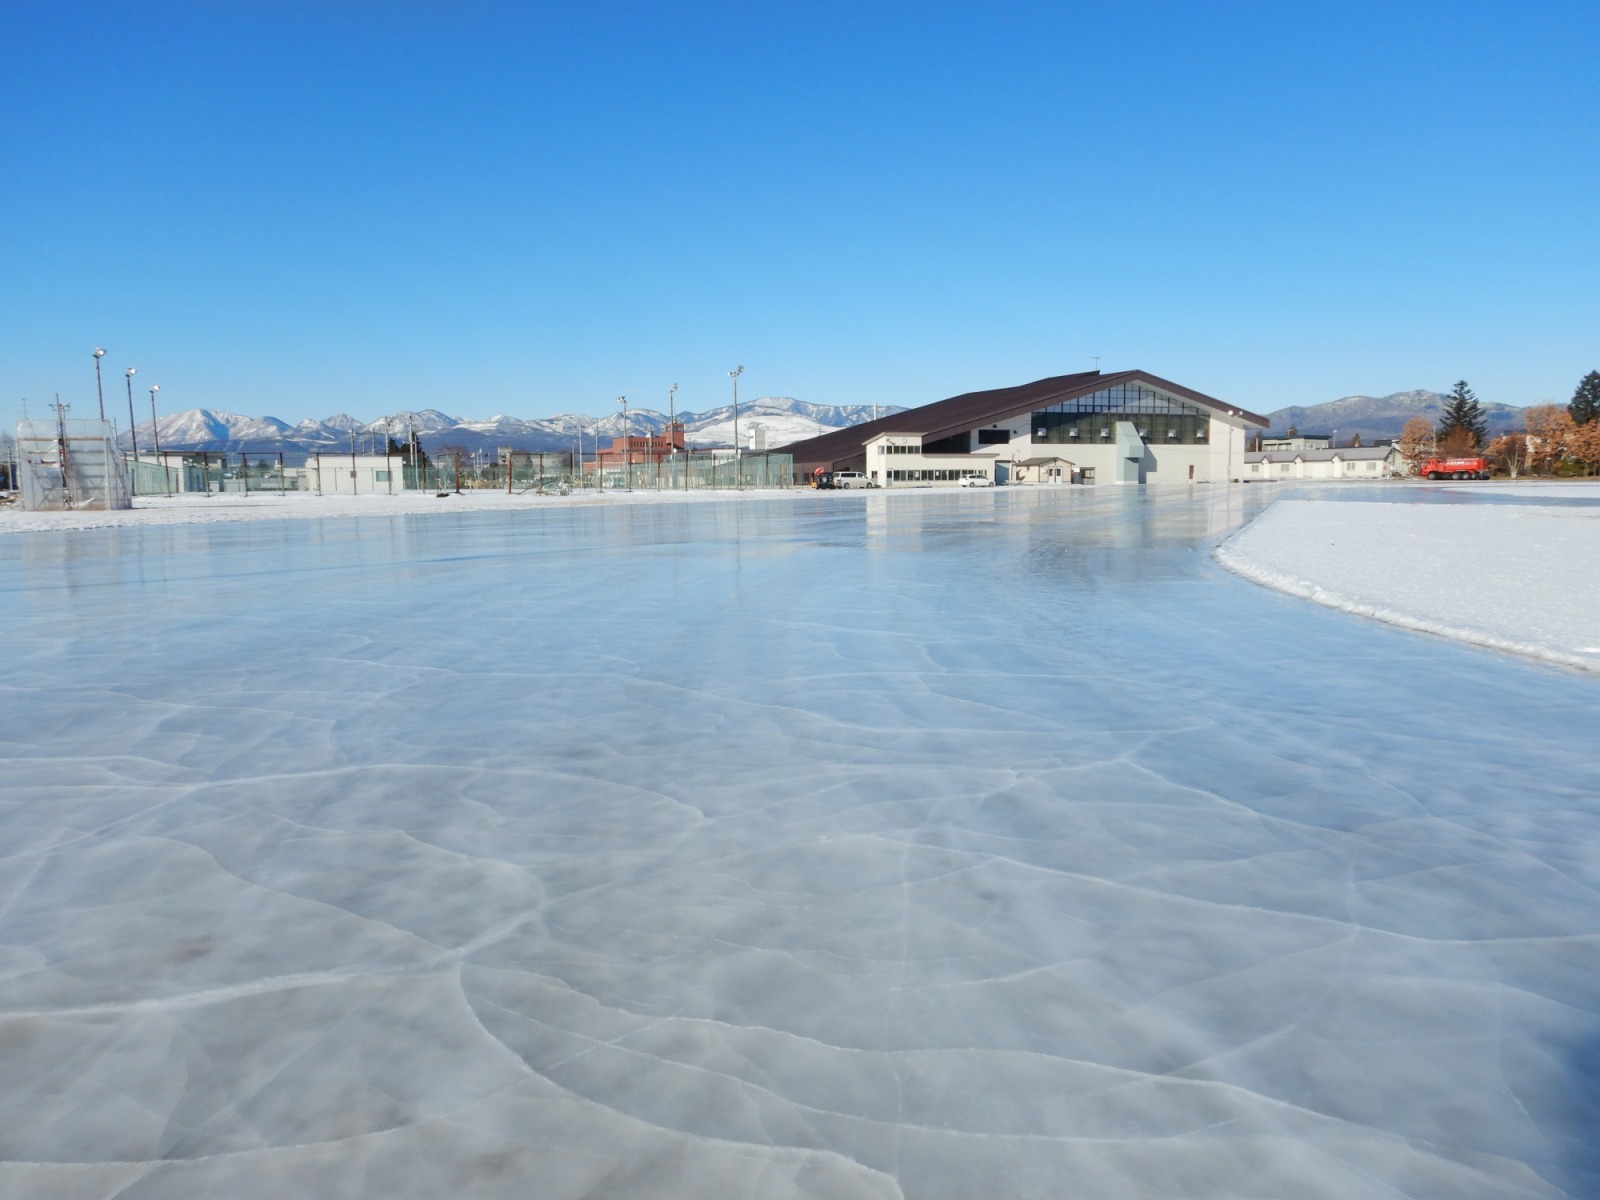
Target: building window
[(994, 437), (1158, 416)]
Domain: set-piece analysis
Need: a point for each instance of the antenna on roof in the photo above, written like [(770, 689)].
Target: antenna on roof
[(1096, 359)]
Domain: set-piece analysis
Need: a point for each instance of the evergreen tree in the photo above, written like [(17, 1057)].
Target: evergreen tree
[(1585, 406), (1462, 411)]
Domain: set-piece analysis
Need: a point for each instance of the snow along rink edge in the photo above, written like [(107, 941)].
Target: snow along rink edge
[(1512, 577)]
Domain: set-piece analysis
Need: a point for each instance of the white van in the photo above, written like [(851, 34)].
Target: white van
[(850, 479)]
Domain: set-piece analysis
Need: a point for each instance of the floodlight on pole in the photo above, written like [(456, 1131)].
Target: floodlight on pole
[(99, 353), (133, 430), (738, 474)]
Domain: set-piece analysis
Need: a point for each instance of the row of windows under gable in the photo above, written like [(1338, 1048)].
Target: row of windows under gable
[(1070, 428)]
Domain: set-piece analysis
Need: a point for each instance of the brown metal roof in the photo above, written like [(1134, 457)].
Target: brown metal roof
[(967, 411)]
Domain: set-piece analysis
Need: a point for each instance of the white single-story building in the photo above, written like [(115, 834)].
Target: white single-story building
[(1359, 463), (353, 474)]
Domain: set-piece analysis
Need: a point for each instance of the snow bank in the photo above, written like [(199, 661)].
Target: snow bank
[(1516, 577)]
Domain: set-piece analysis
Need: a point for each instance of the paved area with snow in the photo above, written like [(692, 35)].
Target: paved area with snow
[(1518, 576)]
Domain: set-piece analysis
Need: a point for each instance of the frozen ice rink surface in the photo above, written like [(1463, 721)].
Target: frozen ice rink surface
[(984, 844)]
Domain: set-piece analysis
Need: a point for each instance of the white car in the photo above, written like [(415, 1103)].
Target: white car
[(976, 481), (850, 479)]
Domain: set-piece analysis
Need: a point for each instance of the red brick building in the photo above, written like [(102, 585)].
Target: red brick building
[(641, 449)]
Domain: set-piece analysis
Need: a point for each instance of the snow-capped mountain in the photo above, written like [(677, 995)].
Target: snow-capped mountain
[(781, 419), (201, 428), (1381, 416)]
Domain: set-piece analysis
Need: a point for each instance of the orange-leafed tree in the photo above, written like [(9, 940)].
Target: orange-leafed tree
[(1583, 445), (1416, 440)]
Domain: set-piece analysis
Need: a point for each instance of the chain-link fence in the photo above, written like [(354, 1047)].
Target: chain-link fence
[(204, 472), (700, 472), (66, 464)]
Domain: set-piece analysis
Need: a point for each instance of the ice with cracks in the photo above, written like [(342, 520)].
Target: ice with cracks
[(935, 845)]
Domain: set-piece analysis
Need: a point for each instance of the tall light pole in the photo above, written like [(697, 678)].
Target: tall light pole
[(738, 475), (627, 447), (672, 429), (99, 353), (133, 431)]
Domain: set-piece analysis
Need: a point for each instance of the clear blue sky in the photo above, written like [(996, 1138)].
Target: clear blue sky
[(298, 209)]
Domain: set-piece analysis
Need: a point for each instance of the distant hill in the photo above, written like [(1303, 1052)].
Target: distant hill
[(780, 420), (1376, 417)]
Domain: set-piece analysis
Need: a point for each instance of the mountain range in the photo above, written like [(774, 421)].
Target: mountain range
[(779, 419), (1381, 417), (770, 421)]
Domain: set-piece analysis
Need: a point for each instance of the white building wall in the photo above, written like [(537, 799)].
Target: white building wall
[(891, 452), (1220, 457), (357, 475)]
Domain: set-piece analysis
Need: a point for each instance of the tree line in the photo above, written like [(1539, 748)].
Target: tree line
[(1554, 440)]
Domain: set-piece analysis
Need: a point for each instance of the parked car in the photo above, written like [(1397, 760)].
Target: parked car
[(976, 481), (850, 479)]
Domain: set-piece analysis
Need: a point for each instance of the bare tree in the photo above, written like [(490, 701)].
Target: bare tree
[(455, 455), (1509, 453), (1550, 428)]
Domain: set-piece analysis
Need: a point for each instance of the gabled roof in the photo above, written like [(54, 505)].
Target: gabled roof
[(971, 409)]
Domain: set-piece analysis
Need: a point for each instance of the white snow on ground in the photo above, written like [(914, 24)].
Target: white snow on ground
[(1516, 577), (270, 506)]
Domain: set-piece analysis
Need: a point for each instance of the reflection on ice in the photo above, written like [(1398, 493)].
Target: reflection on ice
[(871, 846)]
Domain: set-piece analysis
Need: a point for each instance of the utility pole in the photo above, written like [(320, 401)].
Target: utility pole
[(155, 432), (61, 444)]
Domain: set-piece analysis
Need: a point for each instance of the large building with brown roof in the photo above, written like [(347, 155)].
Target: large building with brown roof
[(1093, 427)]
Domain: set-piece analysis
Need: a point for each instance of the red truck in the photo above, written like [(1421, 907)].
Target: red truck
[(1453, 468)]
